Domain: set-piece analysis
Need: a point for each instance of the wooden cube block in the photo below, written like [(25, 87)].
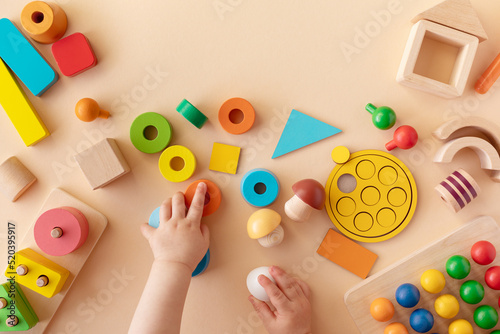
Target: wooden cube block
[(28, 267), (15, 178), (224, 158), (102, 163), (466, 44)]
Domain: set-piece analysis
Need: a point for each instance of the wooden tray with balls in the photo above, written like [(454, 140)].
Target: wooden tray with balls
[(446, 305)]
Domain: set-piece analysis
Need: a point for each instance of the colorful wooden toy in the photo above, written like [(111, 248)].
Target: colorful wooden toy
[(383, 117), (489, 76), (24, 60), (486, 317), (259, 187), (154, 218), (264, 225), (487, 154), (472, 292), (446, 306), (191, 113), (395, 328), (102, 163), (405, 137), (15, 178), (254, 286), (88, 110), (381, 202), (421, 320), (483, 252), (302, 130), (454, 23), (138, 132), (177, 163), (16, 313), (458, 267), (38, 265), (340, 154), (213, 196), (18, 107), (74, 54), (478, 126), (407, 295), (230, 112), (347, 254), (224, 158), (460, 326), (61, 231), (492, 277), (45, 23), (458, 190), (382, 309), (408, 270), (308, 195), (432, 281)]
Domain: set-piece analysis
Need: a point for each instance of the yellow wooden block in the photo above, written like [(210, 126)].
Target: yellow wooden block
[(19, 109), (35, 266), (177, 163), (224, 158)]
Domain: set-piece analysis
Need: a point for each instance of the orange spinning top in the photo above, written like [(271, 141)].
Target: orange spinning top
[(213, 196), (88, 110), (229, 113)]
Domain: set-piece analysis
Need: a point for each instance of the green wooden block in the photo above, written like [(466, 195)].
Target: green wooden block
[(17, 305)]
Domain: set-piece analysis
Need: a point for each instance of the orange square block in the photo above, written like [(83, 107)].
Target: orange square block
[(347, 254)]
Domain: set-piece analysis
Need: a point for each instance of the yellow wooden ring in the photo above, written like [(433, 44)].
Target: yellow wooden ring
[(171, 173)]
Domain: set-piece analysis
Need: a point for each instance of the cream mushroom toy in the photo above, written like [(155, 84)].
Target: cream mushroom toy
[(309, 195), (264, 225)]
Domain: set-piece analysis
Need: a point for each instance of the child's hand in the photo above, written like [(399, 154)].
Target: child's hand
[(180, 238), (290, 297)]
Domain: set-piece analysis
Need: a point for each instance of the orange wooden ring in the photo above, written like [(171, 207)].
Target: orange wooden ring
[(212, 201), (234, 104)]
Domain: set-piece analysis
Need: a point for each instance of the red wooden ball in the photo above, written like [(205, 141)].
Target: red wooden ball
[(492, 277), (483, 252)]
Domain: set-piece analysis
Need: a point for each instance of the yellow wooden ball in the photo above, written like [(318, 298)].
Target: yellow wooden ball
[(446, 306), (460, 326), (432, 281)]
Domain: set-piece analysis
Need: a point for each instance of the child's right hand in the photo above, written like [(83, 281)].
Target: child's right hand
[(290, 296)]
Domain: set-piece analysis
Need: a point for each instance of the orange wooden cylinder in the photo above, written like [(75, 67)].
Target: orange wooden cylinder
[(489, 77), (43, 22)]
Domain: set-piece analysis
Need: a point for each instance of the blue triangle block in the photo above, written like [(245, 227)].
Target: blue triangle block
[(301, 130)]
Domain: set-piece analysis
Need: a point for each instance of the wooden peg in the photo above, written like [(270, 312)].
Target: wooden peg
[(21, 270), (88, 110), (3, 303), (12, 321), (42, 281), (56, 232)]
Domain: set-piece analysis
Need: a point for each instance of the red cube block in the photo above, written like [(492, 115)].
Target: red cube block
[(74, 54)]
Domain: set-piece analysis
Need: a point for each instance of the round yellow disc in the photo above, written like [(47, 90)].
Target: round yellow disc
[(340, 154), (383, 200), (186, 165)]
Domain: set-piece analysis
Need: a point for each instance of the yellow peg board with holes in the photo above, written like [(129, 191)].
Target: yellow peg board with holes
[(379, 205)]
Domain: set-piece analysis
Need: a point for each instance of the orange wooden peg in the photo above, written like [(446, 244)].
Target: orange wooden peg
[(88, 110)]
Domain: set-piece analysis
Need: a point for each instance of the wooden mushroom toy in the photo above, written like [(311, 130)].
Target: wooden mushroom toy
[(309, 195), (264, 225), (88, 110)]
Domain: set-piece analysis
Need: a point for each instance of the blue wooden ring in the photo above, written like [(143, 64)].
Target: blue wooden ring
[(252, 179)]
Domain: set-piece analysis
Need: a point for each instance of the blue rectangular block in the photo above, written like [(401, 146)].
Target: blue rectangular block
[(24, 60)]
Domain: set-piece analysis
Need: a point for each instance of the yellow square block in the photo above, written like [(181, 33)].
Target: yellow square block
[(37, 265), (19, 109), (224, 158)]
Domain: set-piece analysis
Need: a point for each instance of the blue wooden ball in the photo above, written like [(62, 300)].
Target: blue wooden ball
[(421, 320), (407, 295)]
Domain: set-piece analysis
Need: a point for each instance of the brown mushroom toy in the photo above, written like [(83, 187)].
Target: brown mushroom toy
[(309, 195)]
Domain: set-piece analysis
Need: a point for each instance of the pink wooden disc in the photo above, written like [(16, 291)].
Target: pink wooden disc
[(73, 224)]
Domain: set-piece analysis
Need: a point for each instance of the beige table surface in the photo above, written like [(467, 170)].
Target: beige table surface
[(278, 55)]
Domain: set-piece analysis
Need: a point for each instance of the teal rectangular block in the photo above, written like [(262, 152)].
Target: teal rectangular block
[(24, 60)]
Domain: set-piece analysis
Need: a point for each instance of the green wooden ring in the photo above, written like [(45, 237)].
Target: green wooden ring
[(191, 113), (139, 125)]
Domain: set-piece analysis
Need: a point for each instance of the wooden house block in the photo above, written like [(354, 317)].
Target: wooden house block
[(18, 107), (347, 254), (102, 163), (456, 14), (15, 178), (466, 45)]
